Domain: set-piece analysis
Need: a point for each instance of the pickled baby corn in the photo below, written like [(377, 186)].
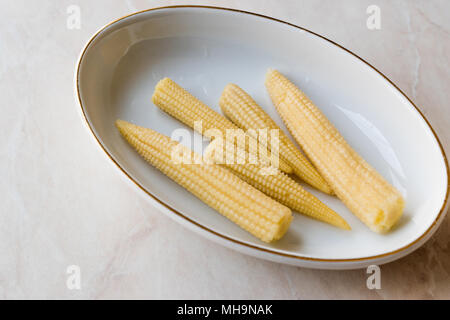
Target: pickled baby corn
[(282, 188), (217, 187), (243, 111), (179, 103), (365, 192)]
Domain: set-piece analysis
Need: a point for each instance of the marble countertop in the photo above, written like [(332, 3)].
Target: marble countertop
[(65, 211)]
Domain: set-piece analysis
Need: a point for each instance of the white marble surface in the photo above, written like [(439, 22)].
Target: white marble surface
[(63, 204)]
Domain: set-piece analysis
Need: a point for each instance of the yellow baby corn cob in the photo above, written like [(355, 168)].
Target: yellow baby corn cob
[(217, 187), (282, 188), (179, 103), (241, 109), (364, 191)]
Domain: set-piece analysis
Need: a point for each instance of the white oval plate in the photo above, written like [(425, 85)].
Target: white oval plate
[(203, 49)]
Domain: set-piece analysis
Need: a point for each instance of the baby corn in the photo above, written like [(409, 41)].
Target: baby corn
[(217, 187), (364, 191), (241, 109), (179, 103), (282, 188)]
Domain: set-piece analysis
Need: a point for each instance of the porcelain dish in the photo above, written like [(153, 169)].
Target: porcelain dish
[(203, 49)]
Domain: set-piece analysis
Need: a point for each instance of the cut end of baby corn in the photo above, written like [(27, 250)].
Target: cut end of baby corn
[(363, 190), (280, 187), (244, 112), (223, 191), (179, 103)]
